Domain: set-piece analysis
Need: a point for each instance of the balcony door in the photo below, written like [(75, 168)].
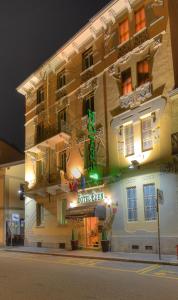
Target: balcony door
[(62, 116)]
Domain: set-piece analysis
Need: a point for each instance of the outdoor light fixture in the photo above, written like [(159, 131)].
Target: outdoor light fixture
[(76, 173), (134, 165), (73, 204)]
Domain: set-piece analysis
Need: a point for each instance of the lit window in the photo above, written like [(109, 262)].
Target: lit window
[(88, 104), (61, 211), (63, 161), (147, 142), (61, 79), (124, 31), (129, 139), (142, 72), (87, 59), (140, 20), (40, 95), (132, 204), (149, 202), (39, 214), (126, 82)]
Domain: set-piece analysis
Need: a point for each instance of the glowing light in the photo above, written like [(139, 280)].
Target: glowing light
[(76, 173), (107, 200), (73, 204)]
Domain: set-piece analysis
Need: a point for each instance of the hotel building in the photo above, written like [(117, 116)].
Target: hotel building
[(101, 133)]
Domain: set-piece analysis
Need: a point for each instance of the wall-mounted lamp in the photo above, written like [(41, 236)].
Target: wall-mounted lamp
[(134, 165)]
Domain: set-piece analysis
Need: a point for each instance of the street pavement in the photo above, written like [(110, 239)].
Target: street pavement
[(35, 276)]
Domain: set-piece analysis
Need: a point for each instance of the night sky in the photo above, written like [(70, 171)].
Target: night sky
[(30, 32)]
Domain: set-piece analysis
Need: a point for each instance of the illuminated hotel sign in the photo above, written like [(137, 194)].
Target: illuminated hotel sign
[(93, 197)]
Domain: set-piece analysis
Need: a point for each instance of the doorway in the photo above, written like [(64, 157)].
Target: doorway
[(92, 234)]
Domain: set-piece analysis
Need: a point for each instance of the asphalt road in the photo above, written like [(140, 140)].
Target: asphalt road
[(41, 277)]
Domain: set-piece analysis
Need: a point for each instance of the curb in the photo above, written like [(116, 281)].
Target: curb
[(156, 262)]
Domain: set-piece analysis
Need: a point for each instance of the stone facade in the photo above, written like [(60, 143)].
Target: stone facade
[(103, 80)]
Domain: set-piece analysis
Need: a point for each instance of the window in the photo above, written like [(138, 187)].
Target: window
[(40, 95), (22, 192), (62, 116), (129, 139), (62, 161), (126, 82), (149, 202), (142, 72), (140, 19), (124, 31), (132, 204), (87, 59), (39, 214), (61, 211), (146, 124), (61, 79), (88, 103), (39, 132)]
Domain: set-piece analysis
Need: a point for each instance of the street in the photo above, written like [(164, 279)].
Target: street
[(34, 276)]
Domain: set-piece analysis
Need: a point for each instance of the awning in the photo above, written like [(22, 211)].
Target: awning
[(86, 211)]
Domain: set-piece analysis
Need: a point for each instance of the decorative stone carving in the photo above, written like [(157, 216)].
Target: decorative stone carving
[(157, 3), (135, 98), (114, 72), (87, 88)]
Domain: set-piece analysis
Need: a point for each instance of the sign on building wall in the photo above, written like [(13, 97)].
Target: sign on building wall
[(91, 135), (93, 197)]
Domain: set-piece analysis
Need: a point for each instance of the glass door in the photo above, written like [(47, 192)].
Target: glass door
[(92, 235)]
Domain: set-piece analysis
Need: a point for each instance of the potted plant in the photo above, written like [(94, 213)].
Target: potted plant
[(74, 241), (105, 243)]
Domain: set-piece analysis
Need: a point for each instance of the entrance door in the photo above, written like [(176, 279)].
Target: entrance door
[(92, 236)]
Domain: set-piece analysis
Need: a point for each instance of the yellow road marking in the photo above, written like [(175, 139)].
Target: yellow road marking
[(148, 269), (69, 261)]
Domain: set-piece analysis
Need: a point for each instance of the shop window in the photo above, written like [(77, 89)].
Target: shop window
[(129, 139), (132, 204), (146, 126), (61, 211), (88, 104), (40, 94), (149, 202), (142, 72), (63, 161), (126, 82), (124, 31), (140, 19), (87, 59), (39, 214), (61, 79)]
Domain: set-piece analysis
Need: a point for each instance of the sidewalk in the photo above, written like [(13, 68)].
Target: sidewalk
[(94, 254)]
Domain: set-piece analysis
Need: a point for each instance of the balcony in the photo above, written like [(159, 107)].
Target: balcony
[(174, 142), (45, 184), (135, 98), (49, 137), (137, 40)]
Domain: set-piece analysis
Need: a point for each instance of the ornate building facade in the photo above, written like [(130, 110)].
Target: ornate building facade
[(100, 117)]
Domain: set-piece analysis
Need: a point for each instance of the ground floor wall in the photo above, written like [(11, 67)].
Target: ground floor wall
[(139, 235)]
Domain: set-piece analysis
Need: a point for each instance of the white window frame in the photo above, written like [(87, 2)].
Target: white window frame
[(129, 139), (146, 129), (132, 208), (61, 207), (150, 208)]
